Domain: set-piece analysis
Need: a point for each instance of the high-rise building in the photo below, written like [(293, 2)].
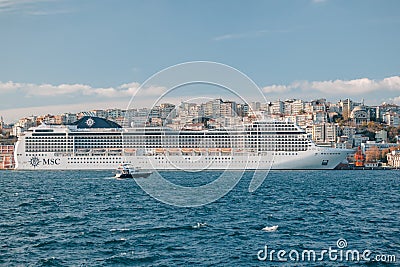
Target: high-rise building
[(325, 132), (100, 113), (1, 124), (297, 106), (349, 131), (347, 107), (212, 109), (115, 113), (331, 132), (318, 133), (155, 112), (384, 108), (276, 107), (255, 106), (228, 109), (242, 109), (167, 112)]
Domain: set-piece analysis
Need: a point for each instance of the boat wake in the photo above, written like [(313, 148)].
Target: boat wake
[(199, 225)]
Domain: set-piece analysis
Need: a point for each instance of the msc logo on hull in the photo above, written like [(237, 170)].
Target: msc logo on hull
[(51, 161), (35, 161)]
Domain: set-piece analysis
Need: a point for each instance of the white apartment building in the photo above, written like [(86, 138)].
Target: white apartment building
[(325, 132), (392, 119), (393, 158)]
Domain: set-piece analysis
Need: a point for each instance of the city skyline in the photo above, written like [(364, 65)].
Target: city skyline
[(61, 56), (197, 103)]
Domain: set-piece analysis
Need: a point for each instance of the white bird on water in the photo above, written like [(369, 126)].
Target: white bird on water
[(270, 228)]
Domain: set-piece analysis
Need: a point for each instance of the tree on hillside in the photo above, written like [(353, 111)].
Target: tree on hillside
[(374, 127), (392, 133), (338, 118), (373, 154)]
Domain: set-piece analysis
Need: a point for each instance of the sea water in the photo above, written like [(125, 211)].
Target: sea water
[(88, 218)]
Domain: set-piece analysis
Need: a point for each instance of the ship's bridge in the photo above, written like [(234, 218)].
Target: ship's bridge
[(89, 122)]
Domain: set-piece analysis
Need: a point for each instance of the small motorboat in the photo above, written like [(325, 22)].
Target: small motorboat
[(125, 171)]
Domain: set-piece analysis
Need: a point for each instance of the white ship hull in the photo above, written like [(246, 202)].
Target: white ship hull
[(318, 159)]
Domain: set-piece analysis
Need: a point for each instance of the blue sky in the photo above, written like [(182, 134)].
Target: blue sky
[(67, 55)]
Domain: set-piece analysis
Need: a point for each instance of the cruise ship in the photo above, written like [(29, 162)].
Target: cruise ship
[(100, 144)]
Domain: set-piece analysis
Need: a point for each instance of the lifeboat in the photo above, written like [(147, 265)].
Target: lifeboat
[(214, 150), (114, 151), (173, 150), (98, 151), (187, 150), (129, 150), (160, 150), (82, 151), (226, 150), (199, 150)]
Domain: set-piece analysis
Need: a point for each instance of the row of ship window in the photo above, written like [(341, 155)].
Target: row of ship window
[(277, 142), (261, 148), (52, 138), (217, 161), (49, 145), (46, 137), (94, 160), (90, 161), (232, 158), (45, 150), (187, 137), (158, 139)]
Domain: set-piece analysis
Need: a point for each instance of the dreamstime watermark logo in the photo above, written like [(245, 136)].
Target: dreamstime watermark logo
[(193, 153), (340, 253)]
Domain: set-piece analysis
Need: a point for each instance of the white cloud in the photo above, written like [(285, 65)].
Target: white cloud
[(133, 85), (250, 34), (276, 88), (339, 87), (228, 36), (54, 90), (393, 83), (7, 5), (357, 86), (9, 86), (49, 90), (395, 100), (31, 89), (32, 7), (106, 92)]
